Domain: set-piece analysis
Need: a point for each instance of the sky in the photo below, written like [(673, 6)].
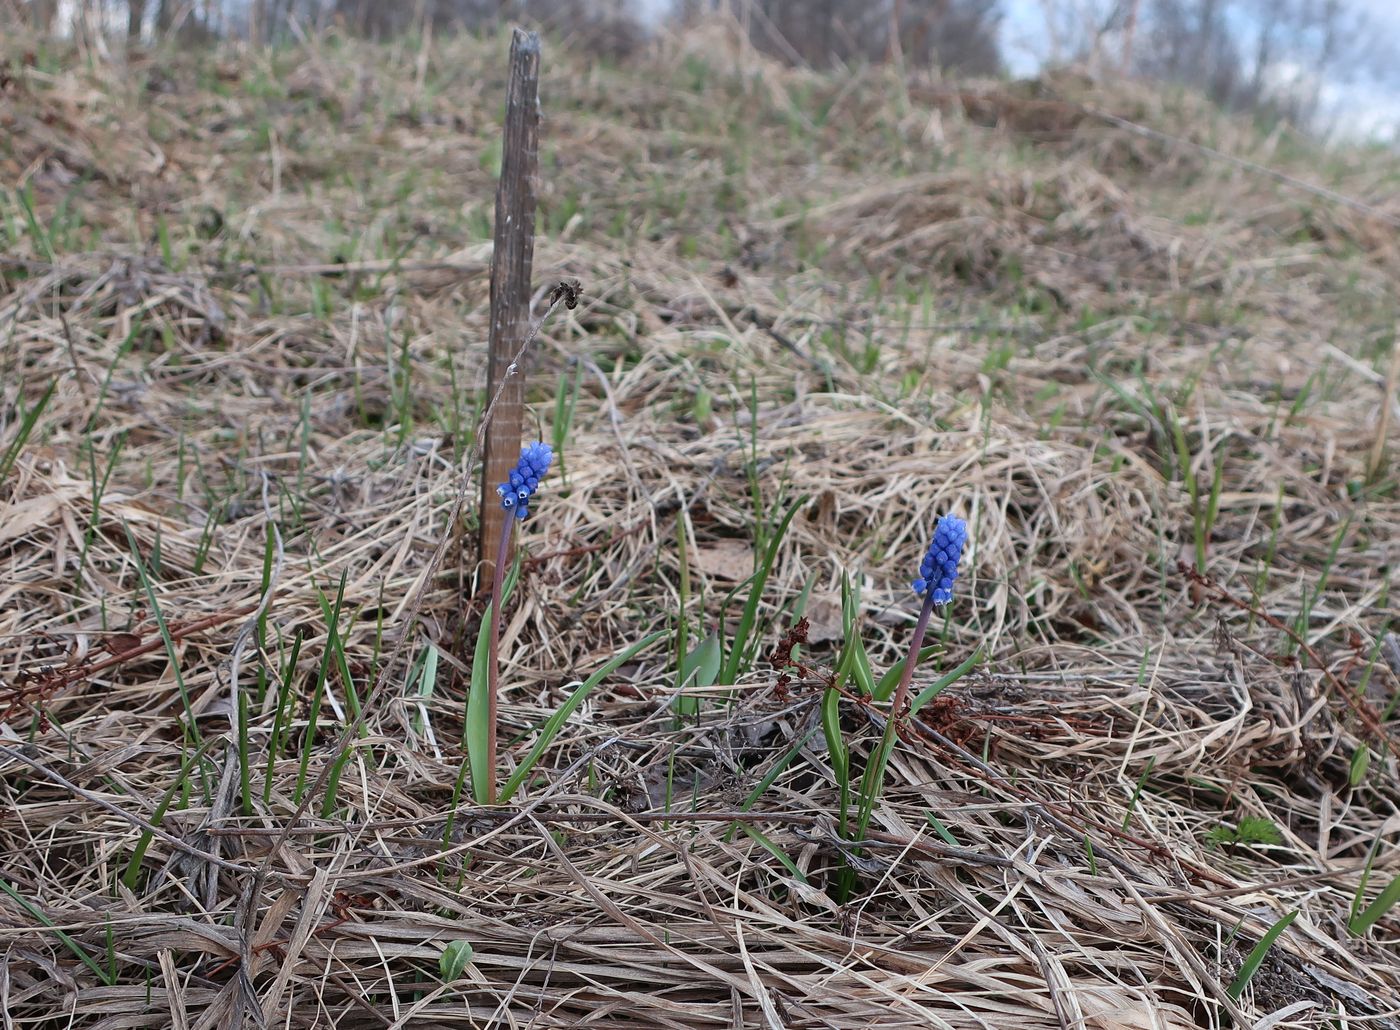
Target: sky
[(1357, 109), (1375, 107)]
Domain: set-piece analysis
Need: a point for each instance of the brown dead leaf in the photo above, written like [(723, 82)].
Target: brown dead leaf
[(25, 516), (730, 560), (826, 620)]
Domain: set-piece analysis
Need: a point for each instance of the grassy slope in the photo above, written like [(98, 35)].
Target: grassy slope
[(1064, 331)]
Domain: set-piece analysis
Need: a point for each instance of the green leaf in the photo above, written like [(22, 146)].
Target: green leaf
[(885, 688), (702, 665), (476, 728), (1256, 956), (426, 685), (854, 663), (1254, 830), (941, 830), (760, 580), (835, 741), (454, 959), (555, 722), (68, 941), (26, 426), (1251, 830), (861, 670), (1360, 924), (775, 851), (929, 693), (1360, 764)]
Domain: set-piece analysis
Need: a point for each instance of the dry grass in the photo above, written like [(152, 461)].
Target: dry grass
[(258, 283)]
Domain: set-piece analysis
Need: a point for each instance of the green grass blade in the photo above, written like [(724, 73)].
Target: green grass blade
[(26, 426), (1360, 924), (336, 642), (26, 202), (313, 716), (1137, 793), (133, 865), (335, 646), (860, 669), (775, 851), (68, 941), (772, 775), (1256, 956), (555, 722), (873, 781), (280, 716), (476, 727), (760, 580), (836, 741), (192, 729), (884, 689), (770, 778), (427, 684), (839, 755), (944, 682)]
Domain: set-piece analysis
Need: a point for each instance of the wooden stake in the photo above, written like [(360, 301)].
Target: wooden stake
[(1376, 462), (510, 286)]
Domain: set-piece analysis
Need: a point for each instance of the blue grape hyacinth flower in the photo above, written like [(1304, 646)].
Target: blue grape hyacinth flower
[(939, 568), (533, 465)]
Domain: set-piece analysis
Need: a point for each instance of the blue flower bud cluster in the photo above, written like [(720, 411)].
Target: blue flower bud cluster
[(939, 568), (525, 478)]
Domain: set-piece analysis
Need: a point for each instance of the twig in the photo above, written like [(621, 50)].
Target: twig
[(58, 679)]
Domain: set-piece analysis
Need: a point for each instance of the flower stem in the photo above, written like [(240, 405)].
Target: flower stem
[(493, 654), (875, 774), (901, 692)]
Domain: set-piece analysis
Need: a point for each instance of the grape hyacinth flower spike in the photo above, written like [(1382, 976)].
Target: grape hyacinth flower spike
[(937, 573), (939, 568), (525, 478)]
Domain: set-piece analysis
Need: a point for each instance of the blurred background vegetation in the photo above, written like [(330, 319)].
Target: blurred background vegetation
[(1324, 65)]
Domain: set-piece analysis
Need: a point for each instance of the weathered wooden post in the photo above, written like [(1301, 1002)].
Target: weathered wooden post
[(510, 286)]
